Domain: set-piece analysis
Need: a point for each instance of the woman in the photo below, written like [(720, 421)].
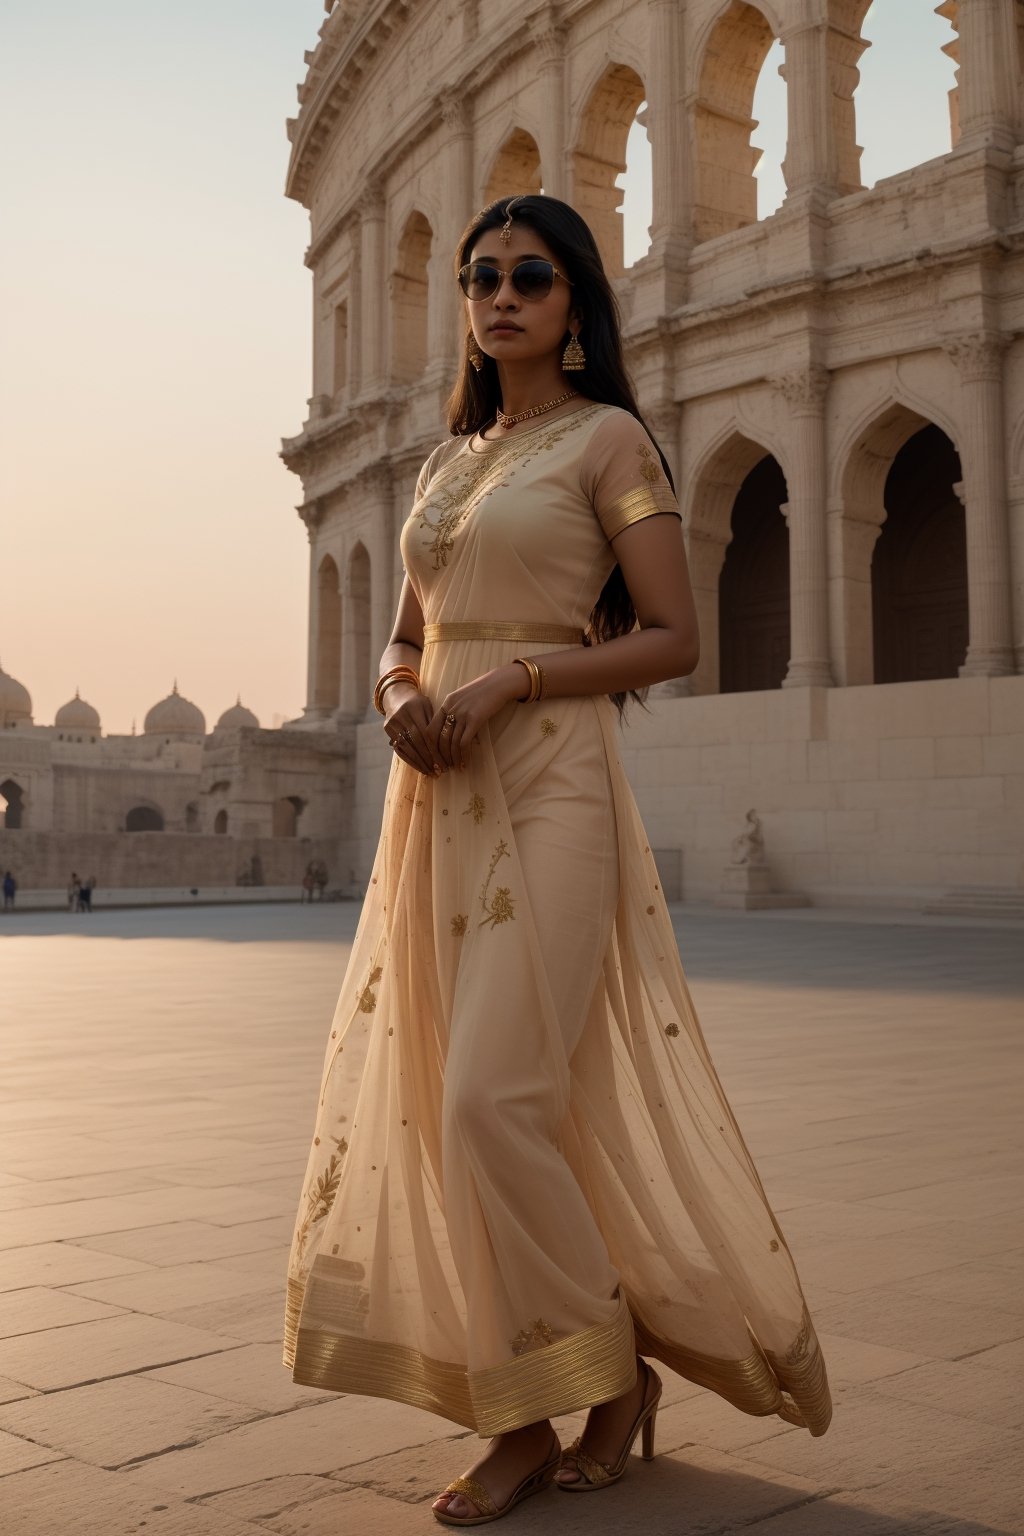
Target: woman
[(525, 1175)]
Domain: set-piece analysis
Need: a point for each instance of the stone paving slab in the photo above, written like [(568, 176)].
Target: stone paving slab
[(887, 1131)]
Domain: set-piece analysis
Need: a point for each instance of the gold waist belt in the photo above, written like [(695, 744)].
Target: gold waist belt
[(502, 629)]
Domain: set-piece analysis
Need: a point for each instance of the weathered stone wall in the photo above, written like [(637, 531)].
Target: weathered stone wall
[(44, 861)]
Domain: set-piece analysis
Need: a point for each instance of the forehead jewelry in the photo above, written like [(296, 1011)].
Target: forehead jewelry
[(505, 233)]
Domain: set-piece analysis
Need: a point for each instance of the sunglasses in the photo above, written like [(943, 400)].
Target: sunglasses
[(533, 279)]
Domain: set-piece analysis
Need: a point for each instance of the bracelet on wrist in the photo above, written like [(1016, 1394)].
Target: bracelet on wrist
[(535, 676), (399, 674)]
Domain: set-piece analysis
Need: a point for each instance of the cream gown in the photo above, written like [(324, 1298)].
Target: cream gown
[(524, 1168)]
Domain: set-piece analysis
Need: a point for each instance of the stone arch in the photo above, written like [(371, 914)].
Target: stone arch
[(753, 586), (356, 639), (327, 673), (717, 481), (857, 620), (144, 817), (12, 813), (846, 44), (408, 294), (286, 811), (515, 169), (220, 822), (599, 157), (734, 51)]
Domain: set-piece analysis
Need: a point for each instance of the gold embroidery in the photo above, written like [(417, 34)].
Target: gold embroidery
[(502, 629), (535, 1337), (459, 924), (672, 1029), (650, 470), (650, 911), (476, 808), (367, 997), (501, 907), (320, 1199), (634, 505), (548, 726), (774, 1245)]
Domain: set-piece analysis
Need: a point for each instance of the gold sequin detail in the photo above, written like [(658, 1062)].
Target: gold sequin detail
[(368, 997), (535, 1337), (650, 911), (477, 808), (500, 907), (459, 924), (672, 1029), (548, 726), (320, 1198), (650, 470), (774, 1245)]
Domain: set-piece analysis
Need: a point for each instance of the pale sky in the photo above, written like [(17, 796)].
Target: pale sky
[(156, 334)]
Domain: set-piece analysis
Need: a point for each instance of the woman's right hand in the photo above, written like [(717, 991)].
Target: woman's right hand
[(408, 713)]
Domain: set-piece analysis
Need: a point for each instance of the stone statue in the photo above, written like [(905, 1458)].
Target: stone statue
[(748, 848)]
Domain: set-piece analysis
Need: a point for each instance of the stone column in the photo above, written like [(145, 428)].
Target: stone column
[(372, 305), (668, 122), (1016, 519), (312, 514), (987, 76), (811, 161), (375, 486), (806, 515), (548, 39), (978, 358), (852, 535), (445, 326)]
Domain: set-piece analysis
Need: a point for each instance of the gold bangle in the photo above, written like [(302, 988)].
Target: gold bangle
[(401, 673), (534, 674)]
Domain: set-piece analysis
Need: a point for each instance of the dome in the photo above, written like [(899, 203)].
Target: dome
[(237, 718), (175, 716), (77, 715), (15, 700)]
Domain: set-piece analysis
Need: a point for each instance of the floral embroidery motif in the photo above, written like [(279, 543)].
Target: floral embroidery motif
[(368, 997), (459, 924), (548, 726), (476, 808), (321, 1196), (648, 468), (672, 1029), (501, 907), (535, 1337)]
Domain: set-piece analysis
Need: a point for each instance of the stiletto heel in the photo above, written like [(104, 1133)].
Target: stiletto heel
[(598, 1474)]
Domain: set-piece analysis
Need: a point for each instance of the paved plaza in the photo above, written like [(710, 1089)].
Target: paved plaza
[(158, 1071)]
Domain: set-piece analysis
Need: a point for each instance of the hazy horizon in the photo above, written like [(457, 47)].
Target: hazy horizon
[(158, 336)]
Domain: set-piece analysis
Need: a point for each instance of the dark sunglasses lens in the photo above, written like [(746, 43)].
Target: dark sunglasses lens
[(478, 280), (533, 279)]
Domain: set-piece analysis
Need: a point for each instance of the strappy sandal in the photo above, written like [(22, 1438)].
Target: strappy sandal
[(598, 1474), (471, 1489)]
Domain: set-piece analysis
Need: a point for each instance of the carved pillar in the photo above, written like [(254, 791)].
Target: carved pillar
[(987, 77), (809, 664), (375, 487), (811, 161), (444, 322), (672, 173), (852, 535), (372, 290), (705, 553), (312, 514), (548, 39), (978, 358), (1015, 510)]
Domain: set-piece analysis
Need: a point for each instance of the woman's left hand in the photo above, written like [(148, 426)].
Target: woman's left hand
[(462, 713)]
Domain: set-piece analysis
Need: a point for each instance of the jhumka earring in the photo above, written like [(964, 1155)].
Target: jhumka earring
[(476, 357), (574, 359)]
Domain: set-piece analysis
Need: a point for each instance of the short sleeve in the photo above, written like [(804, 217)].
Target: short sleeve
[(623, 476)]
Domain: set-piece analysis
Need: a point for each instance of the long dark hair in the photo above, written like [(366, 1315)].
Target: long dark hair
[(477, 396)]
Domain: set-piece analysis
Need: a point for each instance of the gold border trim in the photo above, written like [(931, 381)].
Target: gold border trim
[(635, 505), (501, 629)]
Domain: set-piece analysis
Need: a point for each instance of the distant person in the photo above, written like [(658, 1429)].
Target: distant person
[(74, 886), (85, 894), (10, 886), (307, 884), (320, 877)]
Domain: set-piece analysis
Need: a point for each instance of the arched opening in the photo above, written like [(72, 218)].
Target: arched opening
[(340, 349), (753, 592), (144, 818), (600, 158), (12, 806), (845, 47), (220, 822), (919, 569), (286, 813), (726, 184), (929, 116), (516, 168), (357, 638), (409, 301), (192, 817), (327, 682), (710, 527), (637, 186)]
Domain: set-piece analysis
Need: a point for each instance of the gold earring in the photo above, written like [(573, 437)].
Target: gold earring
[(573, 358), (476, 357)]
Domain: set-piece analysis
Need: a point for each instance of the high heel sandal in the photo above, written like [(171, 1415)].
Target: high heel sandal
[(471, 1489), (598, 1474)]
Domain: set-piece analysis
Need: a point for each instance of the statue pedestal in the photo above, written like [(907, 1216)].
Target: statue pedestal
[(750, 886)]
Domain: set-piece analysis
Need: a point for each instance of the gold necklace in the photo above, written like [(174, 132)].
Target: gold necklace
[(535, 410)]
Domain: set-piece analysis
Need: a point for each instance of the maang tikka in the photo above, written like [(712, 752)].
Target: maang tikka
[(505, 233)]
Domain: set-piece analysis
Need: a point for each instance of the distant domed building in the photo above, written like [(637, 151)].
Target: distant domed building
[(175, 716), (237, 718), (77, 715), (15, 701)]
